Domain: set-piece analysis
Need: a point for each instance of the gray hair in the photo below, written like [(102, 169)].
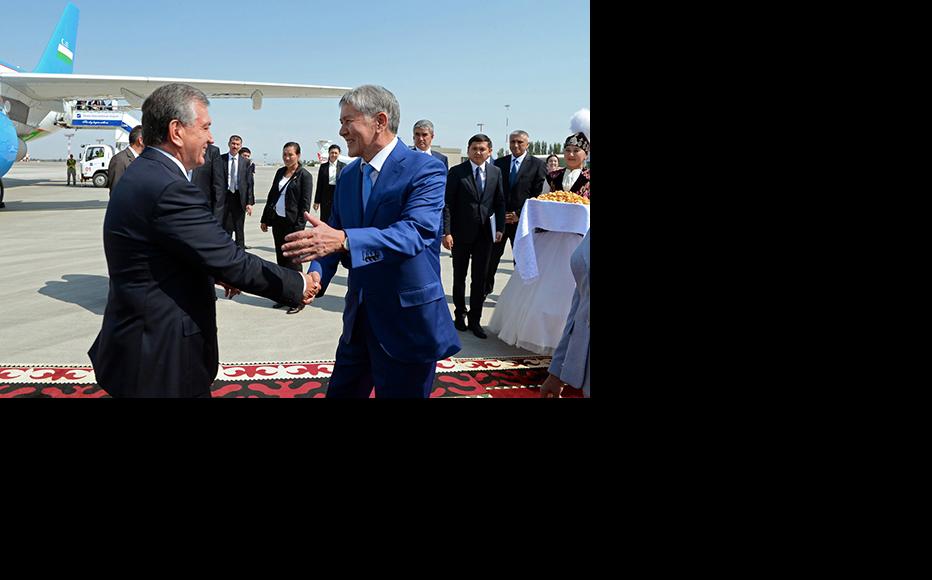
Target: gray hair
[(164, 105), (370, 100), (519, 132), (424, 124)]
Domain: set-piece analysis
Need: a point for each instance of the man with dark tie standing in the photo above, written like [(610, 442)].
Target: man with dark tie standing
[(524, 178), (239, 196), (327, 182), (473, 196)]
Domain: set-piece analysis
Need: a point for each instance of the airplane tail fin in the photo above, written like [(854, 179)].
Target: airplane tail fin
[(59, 52)]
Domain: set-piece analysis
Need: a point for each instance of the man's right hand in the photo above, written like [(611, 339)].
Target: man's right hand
[(511, 217), (448, 242), (263, 227), (313, 286)]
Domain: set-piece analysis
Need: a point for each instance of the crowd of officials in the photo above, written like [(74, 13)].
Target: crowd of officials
[(383, 216)]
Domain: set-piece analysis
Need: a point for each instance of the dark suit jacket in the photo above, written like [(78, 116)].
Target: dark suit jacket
[(118, 165), (209, 179), (438, 155), (297, 198), (244, 177), (466, 212), (531, 177), (323, 194), (164, 248), (580, 186)]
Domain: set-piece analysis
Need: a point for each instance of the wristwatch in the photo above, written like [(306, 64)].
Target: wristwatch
[(345, 242)]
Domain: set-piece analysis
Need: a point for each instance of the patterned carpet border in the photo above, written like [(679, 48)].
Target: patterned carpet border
[(505, 377)]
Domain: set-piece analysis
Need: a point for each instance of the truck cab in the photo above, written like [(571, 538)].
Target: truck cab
[(94, 162)]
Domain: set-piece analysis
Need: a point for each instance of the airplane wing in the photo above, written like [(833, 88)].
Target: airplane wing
[(53, 87)]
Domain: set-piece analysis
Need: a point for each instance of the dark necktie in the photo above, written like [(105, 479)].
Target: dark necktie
[(513, 177), (233, 174), (479, 184)]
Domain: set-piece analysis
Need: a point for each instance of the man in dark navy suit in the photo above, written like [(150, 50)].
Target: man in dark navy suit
[(327, 182), (523, 175), (239, 185), (423, 137), (208, 177), (164, 250), (473, 196)]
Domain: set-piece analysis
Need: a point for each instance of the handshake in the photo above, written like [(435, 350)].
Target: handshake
[(312, 282)]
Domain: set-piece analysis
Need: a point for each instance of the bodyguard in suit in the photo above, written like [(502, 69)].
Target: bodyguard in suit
[(524, 177), (164, 250), (423, 137), (327, 182), (473, 195), (120, 161), (208, 177), (239, 184), (384, 229)]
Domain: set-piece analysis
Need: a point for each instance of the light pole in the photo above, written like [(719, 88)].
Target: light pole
[(69, 136), (507, 135), (480, 126)]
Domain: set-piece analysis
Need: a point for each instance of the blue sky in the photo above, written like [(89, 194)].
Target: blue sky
[(455, 63)]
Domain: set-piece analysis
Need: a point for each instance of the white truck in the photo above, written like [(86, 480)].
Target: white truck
[(94, 163)]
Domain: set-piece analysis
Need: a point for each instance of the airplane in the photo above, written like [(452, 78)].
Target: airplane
[(38, 103)]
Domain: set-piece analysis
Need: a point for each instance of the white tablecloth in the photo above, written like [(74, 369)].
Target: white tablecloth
[(554, 216)]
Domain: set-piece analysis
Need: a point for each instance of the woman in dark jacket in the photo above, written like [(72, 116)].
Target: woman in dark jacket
[(289, 197), (574, 177)]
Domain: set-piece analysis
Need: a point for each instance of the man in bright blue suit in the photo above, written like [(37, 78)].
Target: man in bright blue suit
[(385, 228)]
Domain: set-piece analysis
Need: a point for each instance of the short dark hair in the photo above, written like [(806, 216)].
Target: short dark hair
[(168, 103), (297, 148), (246, 150), (136, 133), (480, 137), (332, 147), (554, 155)]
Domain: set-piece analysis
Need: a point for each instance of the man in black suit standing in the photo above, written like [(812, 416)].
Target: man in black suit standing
[(473, 195), (524, 177), (164, 250), (327, 182), (423, 137), (120, 161), (209, 179), (239, 190)]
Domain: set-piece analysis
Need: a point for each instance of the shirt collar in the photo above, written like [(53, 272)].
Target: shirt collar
[(521, 159), (474, 166), (177, 162), (382, 155)]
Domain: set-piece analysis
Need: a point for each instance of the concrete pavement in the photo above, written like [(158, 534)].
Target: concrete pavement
[(53, 282)]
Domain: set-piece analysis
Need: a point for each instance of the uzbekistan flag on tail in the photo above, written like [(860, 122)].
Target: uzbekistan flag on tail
[(64, 53)]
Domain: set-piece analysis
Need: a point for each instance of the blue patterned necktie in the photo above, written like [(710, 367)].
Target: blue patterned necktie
[(479, 184), (514, 172), (366, 184)]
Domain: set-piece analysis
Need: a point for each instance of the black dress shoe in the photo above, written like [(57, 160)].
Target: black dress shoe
[(295, 309), (459, 323), (477, 330), (278, 305)]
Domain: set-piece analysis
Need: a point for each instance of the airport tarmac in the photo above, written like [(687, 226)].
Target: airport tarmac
[(53, 282)]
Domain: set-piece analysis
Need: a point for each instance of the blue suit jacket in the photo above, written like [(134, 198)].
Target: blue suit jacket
[(394, 256)]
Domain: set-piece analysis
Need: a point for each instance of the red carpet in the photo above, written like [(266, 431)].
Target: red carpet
[(507, 377)]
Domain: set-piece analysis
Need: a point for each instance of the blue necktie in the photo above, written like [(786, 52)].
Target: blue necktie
[(366, 184), (479, 185), (514, 173)]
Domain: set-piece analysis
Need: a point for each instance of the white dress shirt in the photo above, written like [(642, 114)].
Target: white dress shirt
[(178, 163)]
